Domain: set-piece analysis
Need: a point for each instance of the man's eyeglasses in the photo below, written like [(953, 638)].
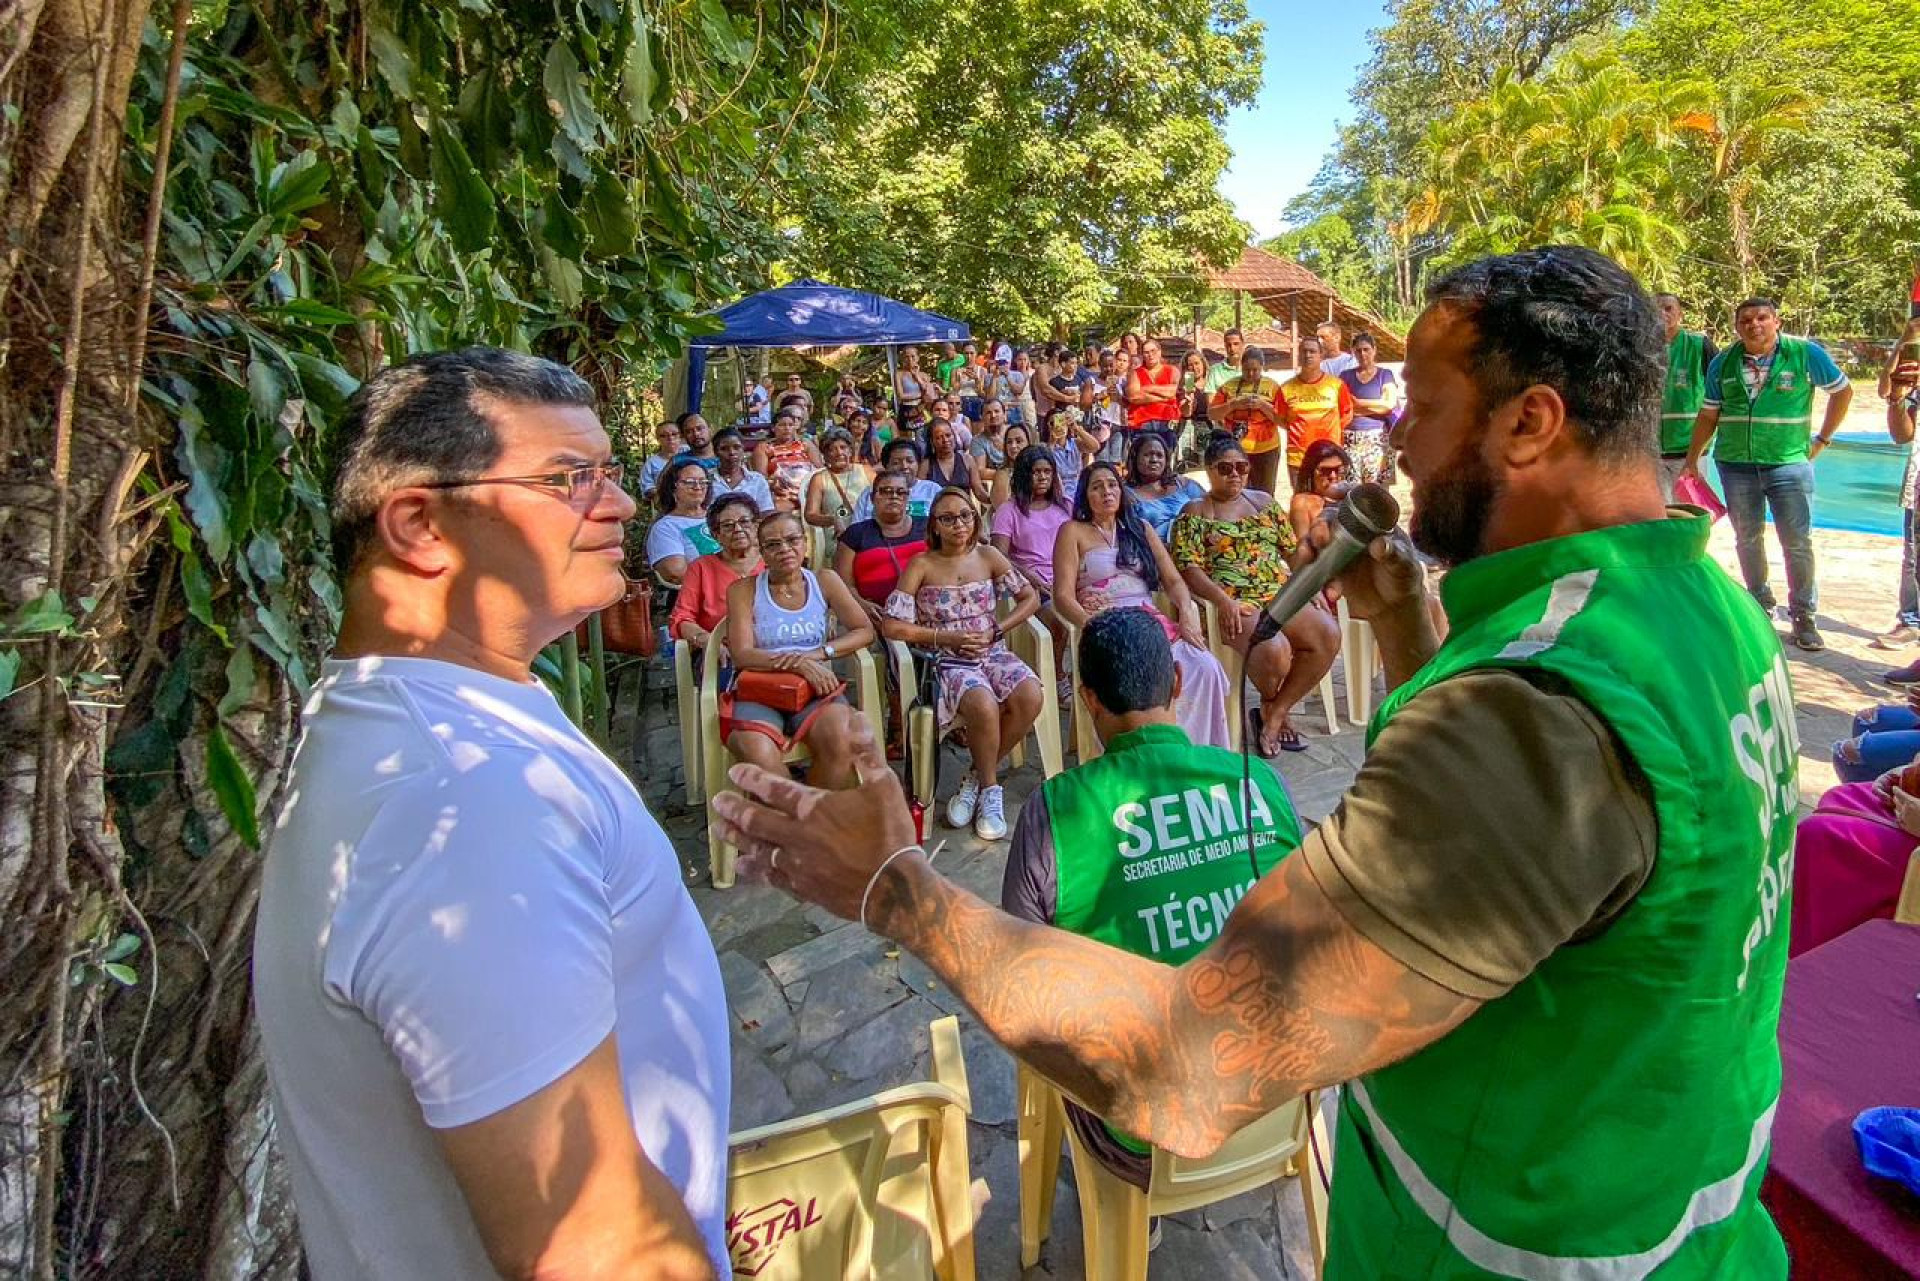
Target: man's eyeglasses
[(582, 484)]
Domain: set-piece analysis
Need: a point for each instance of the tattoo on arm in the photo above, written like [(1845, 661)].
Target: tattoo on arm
[(1290, 998)]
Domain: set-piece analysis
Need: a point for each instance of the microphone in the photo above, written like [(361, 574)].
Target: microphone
[(1369, 511)]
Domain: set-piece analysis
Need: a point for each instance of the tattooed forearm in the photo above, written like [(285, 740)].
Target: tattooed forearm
[(1288, 999)]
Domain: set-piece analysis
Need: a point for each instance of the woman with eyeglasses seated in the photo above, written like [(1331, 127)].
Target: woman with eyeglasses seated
[(1108, 558), (781, 640), (701, 607), (1158, 492), (873, 553), (833, 491), (1325, 468), (1233, 546), (679, 534), (946, 602), (1025, 529)]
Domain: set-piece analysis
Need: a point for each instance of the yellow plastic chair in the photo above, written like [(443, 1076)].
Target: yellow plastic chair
[(1114, 1213), (1362, 659), (1236, 681), (1033, 644), (715, 757), (686, 702), (875, 1190)]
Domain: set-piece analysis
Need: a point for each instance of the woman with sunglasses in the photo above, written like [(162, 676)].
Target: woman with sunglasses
[(1252, 410), (701, 607), (1157, 491), (781, 642), (1108, 558), (1233, 547), (1322, 477), (833, 491), (946, 602), (679, 534)]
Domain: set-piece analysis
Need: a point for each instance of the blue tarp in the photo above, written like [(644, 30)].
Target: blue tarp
[(807, 313)]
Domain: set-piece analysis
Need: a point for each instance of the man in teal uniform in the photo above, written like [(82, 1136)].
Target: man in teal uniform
[(1689, 356), (1543, 935), (1759, 399), (1149, 845)]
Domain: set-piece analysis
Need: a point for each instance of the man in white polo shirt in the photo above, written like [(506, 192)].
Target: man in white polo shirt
[(493, 1021)]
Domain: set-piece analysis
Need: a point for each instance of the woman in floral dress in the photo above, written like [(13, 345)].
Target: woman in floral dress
[(945, 602)]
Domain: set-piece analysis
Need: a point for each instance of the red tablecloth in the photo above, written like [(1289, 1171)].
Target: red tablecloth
[(1849, 1040)]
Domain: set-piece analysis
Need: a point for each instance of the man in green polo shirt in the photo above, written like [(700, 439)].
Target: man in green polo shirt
[(1759, 399), (1222, 372), (1542, 938), (1149, 845), (1689, 356)]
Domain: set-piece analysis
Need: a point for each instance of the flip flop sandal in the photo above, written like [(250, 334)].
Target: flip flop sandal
[(1290, 740), (1255, 737)]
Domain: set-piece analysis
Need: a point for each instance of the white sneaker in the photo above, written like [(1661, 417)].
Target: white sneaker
[(960, 808), (991, 823)]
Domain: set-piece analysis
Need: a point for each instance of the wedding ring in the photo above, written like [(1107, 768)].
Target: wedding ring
[(773, 860)]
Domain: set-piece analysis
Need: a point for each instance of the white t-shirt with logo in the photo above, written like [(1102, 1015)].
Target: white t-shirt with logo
[(463, 897)]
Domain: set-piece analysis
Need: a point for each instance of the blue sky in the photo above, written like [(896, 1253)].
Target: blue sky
[(1314, 50)]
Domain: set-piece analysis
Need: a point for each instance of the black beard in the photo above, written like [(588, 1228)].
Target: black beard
[(1450, 520)]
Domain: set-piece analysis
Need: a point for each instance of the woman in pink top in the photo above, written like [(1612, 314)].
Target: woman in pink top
[(1025, 529)]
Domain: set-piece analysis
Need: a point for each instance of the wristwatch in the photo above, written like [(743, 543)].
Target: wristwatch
[(827, 649)]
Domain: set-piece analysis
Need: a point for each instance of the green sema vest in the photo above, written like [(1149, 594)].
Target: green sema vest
[(1608, 1118), (1150, 843), (1773, 427), (1685, 392)]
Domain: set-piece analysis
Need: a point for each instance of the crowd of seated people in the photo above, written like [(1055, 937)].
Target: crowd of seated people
[(990, 486)]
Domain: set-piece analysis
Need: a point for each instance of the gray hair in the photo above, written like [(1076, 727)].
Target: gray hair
[(428, 419)]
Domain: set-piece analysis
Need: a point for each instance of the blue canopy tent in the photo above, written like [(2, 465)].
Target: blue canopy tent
[(808, 313)]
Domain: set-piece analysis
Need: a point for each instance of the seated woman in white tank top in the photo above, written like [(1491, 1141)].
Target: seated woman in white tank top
[(781, 635)]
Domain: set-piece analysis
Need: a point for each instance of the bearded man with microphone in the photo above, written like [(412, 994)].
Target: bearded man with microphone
[(1542, 938)]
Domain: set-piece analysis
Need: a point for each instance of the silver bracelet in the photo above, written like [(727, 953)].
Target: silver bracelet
[(904, 849)]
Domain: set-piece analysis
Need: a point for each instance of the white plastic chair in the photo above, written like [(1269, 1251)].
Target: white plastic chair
[(873, 1190), (1114, 1213), (1236, 694), (1362, 660)]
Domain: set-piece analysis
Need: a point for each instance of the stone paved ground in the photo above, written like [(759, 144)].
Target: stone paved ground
[(825, 1013)]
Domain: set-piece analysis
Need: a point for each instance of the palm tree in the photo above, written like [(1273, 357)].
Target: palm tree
[(1742, 122)]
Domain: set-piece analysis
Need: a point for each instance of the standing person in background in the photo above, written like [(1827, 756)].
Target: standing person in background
[(796, 392), (950, 360), (1109, 420), (1376, 396), (987, 454), (757, 401), (478, 972), (1900, 388), (1020, 390), (1689, 356), (1153, 396), (1195, 424), (912, 385), (1250, 410), (1332, 358), (1133, 348), (996, 387), (1319, 406), (1763, 389), (1222, 372), (666, 445), (963, 385), (733, 476), (1913, 294)]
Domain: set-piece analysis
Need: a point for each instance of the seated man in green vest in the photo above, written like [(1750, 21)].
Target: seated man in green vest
[(1146, 846), (1542, 938)]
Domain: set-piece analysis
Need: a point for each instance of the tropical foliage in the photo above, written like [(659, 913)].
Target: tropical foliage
[(1721, 150)]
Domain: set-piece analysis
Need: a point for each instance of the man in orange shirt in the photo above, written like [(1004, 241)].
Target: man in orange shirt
[(1318, 405)]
